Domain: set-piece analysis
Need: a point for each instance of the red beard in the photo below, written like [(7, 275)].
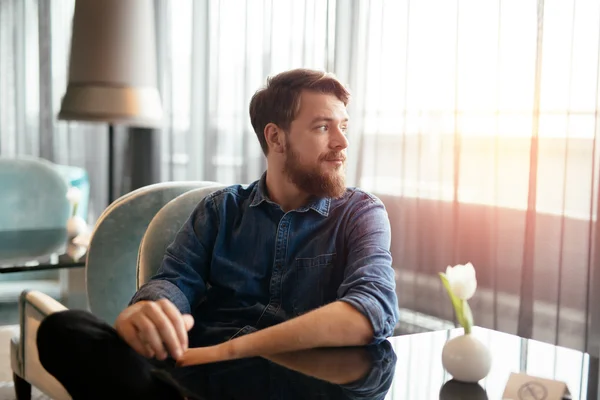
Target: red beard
[(312, 180)]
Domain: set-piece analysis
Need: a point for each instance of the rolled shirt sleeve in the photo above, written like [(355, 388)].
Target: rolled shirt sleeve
[(369, 280), (183, 274)]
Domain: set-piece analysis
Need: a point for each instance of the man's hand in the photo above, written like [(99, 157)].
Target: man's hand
[(152, 328)]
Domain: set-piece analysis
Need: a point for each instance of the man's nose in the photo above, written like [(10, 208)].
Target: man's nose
[(338, 141)]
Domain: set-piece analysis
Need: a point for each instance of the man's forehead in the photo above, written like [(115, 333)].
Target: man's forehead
[(322, 105), (330, 118)]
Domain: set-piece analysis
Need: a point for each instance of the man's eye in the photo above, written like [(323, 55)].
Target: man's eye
[(344, 129), (322, 127)]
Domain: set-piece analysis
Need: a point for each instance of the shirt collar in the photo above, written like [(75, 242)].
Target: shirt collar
[(260, 192), (318, 204)]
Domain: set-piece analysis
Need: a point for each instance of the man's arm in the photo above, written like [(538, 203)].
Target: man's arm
[(335, 325), (157, 319), (367, 307), (182, 276), (369, 279)]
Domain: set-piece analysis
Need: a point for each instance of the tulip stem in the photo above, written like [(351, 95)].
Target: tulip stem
[(467, 317), (461, 307)]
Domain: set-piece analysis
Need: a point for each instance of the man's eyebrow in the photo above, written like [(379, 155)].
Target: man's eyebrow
[(327, 119)]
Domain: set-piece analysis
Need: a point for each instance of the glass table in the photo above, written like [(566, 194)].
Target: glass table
[(419, 373), (403, 367), (38, 249)]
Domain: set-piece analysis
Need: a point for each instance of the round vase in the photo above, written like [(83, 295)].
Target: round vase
[(466, 358)]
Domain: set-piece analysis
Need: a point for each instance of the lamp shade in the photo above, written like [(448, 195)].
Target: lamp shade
[(112, 69)]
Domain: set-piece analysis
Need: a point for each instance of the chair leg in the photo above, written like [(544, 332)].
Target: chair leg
[(22, 388)]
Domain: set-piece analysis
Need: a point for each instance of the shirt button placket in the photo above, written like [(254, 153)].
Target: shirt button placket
[(280, 251)]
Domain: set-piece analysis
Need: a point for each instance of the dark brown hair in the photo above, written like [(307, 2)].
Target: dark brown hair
[(278, 102)]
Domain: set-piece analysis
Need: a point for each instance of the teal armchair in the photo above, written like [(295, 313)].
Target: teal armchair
[(32, 195), (126, 249)]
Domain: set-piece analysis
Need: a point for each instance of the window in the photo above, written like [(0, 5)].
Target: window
[(433, 69)]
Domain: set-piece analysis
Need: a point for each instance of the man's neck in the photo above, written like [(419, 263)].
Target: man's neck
[(284, 192)]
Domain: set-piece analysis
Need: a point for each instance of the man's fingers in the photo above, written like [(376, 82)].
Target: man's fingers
[(149, 335), (129, 335), (188, 320), (155, 328), (164, 328), (149, 351), (177, 320)]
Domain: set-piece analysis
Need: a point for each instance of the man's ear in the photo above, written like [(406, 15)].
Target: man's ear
[(275, 137)]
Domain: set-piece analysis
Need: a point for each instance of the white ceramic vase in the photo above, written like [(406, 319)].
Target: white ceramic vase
[(466, 358)]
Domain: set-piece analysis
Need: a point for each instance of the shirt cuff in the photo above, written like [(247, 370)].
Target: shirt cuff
[(162, 289), (383, 326)]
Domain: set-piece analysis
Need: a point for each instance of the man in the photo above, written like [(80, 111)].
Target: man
[(296, 260)]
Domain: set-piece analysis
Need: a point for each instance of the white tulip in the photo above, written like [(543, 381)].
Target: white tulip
[(462, 280), (74, 195)]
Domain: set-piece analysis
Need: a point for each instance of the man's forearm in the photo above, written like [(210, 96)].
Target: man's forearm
[(337, 324), (334, 325)]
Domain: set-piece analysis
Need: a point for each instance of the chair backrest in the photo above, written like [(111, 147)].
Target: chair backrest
[(114, 245), (163, 228), (32, 195)]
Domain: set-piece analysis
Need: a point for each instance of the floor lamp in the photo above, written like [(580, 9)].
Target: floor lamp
[(112, 69)]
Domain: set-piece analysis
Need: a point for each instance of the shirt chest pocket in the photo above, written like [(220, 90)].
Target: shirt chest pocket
[(314, 282)]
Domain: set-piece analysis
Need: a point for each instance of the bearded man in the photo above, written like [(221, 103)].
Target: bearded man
[(295, 260)]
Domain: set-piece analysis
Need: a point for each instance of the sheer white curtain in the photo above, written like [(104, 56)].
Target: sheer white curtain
[(214, 56), (34, 50), (477, 123), (19, 77)]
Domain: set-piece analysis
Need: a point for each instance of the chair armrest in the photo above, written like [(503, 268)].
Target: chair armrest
[(44, 305), (34, 306)]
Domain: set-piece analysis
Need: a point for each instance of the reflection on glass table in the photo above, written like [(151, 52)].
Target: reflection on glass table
[(38, 249), (342, 373), (419, 373), (401, 368)]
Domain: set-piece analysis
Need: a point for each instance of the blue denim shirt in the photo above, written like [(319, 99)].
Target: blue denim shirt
[(240, 263)]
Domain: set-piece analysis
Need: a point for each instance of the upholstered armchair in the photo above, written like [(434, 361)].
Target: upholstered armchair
[(33, 219), (33, 193), (126, 249)]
